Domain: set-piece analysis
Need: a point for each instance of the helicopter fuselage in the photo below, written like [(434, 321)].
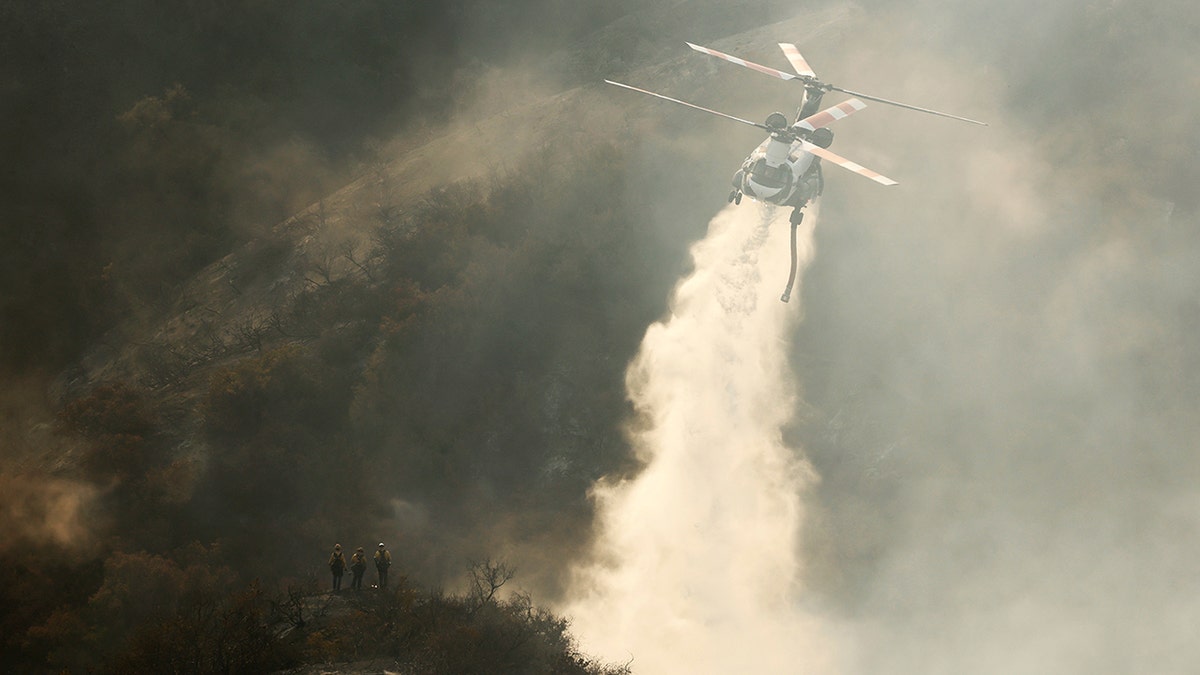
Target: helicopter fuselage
[(780, 172), (785, 170)]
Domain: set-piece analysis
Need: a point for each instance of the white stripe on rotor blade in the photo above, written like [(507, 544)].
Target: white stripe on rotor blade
[(743, 62), (829, 115), (797, 61), (847, 164)]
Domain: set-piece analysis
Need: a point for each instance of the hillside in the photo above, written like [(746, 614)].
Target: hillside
[(278, 275), (432, 355)]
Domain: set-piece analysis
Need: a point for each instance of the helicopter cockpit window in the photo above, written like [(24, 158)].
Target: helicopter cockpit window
[(770, 176)]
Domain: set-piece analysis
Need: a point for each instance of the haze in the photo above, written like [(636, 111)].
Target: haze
[(990, 369)]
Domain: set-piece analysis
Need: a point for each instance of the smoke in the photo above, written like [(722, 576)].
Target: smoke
[(40, 510), (39, 505), (697, 567), (998, 353), (998, 356)]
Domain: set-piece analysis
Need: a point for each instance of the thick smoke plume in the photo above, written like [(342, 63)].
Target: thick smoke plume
[(998, 356), (999, 352), (698, 569)]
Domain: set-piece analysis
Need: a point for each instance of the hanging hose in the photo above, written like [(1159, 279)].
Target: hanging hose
[(797, 218)]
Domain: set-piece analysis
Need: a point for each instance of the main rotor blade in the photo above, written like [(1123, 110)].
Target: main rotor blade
[(690, 105), (798, 63), (806, 76), (744, 63), (847, 164), (905, 105), (831, 114)]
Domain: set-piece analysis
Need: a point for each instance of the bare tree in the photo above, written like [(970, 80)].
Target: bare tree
[(323, 266), (249, 333), (349, 253), (487, 577)]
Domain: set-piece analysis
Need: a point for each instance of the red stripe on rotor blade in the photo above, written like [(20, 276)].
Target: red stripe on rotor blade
[(830, 115), (847, 164), (763, 69), (743, 62), (797, 61)]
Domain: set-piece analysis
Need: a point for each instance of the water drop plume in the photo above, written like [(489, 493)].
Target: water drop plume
[(697, 566)]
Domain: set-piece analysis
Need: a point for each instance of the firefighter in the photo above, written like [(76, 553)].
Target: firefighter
[(337, 565), (358, 565), (383, 560)]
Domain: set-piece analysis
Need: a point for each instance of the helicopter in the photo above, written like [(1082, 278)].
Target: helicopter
[(785, 169)]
